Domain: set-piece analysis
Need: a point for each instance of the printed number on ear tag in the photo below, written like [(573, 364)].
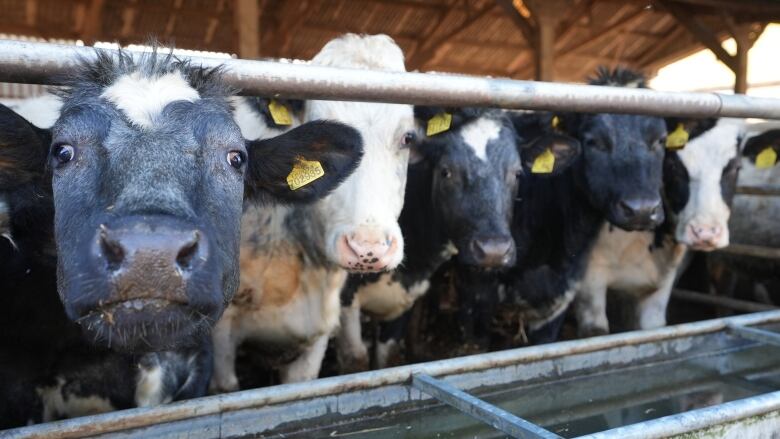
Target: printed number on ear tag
[(766, 158), (279, 113), (303, 173), (677, 138), (544, 163), (439, 124)]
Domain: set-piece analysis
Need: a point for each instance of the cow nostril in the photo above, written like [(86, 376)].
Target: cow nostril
[(112, 249), (625, 208), (187, 252)]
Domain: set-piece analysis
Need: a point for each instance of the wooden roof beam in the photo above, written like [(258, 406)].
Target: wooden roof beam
[(92, 22), (700, 31), (526, 25), (433, 47), (247, 22)]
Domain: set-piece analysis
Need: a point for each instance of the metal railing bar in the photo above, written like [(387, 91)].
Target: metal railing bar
[(687, 422), (42, 63), (726, 302), (755, 334), (751, 250), (764, 190), (479, 409)]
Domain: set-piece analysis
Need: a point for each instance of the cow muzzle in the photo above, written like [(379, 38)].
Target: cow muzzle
[(706, 237), (638, 213), (369, 249)]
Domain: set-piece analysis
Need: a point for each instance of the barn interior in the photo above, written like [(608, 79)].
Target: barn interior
[(541, 40)]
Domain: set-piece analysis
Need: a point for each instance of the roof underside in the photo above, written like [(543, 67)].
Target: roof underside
[(465, 36)]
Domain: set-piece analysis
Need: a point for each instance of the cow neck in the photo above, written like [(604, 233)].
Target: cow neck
[(426, 241)]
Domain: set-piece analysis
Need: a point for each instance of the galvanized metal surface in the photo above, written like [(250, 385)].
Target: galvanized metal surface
[(240, 411), (765, 190), (754, 334), (726, 302), (751, 250), (742, 412), (43, 63), (479, 409)]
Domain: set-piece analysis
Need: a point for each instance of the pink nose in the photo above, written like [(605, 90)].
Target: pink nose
[(705, 237), (367, 249)]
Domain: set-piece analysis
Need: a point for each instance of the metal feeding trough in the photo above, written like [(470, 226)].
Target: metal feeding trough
[(716, 378)]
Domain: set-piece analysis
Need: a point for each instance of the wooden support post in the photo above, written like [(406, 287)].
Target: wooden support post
[(546, 14), (247, 22)]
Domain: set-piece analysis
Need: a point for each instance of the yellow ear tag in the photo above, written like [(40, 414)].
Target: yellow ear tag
[(766, 158), (279, 113), (544, 163), (677, 138), (303, 173), (439, 124), (555, 122)]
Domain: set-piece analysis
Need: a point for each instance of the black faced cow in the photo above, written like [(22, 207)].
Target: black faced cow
[(149, 177), (699, 184), (48, 369), (616, 179)]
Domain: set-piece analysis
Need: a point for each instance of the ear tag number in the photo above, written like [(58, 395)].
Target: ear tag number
[(766, 158), (279, 113), (544, 163), (439, 124), (303, 173), (677, 138)]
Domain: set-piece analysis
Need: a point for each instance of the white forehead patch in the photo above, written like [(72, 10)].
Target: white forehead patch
[(142, 98), (479, 133), (707, 154)]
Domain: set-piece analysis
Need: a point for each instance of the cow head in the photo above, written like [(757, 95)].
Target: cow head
[(700, 180), (359, 220), (622, 159), (149, 173), (472, 169), (26, 206)]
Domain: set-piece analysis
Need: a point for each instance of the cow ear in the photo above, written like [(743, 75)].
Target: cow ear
[(276, 113), (23, 149), (549, 154), (303, 164), (756, 148)]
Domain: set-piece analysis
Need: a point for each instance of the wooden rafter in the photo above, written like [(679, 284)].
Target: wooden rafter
[(92, 22), (440, 37), (700, 31), (527, 27)]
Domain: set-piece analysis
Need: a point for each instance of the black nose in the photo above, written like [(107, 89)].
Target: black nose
[(640, 213), (493, 252)]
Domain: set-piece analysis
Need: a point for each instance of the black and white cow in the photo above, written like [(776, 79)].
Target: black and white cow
[(48, 369), (617, 179), (149, 175), (294, 260), (458, 201), (699, 185)]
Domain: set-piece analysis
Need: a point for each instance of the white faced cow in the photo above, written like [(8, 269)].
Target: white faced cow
[(294, 261), (699, 184)]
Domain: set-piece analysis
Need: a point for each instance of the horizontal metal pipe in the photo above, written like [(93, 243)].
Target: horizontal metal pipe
[(756, 251), (726, 302), (43, 63), (755, 334), (767, 191), (133, 418), (667, 426), (479, 409)]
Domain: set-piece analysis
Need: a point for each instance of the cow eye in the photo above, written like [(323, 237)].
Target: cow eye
[(63, 153), (446, 172), (409, 138), (236, 159)]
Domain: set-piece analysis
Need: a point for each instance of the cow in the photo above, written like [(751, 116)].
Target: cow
[(295, 259), (616, 179), (458, 203), (48, 369), (149, 173), (699, 185)]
